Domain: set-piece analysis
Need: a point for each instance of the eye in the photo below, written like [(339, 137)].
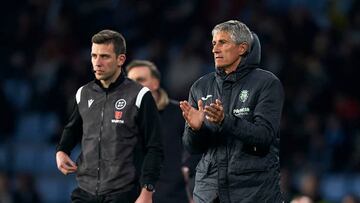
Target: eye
[(140, 79), (222, 42)]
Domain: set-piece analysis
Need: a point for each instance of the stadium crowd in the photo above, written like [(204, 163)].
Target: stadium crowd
[(312, 46)]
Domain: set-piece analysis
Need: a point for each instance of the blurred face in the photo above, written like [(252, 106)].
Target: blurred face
[(227, 54), (142, 75), (106, 65), (303, 199)]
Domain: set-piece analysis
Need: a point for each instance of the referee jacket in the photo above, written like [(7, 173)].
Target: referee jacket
[(120, 135)]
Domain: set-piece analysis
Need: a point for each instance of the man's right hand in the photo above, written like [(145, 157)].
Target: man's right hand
[(64, 163), (193, 117)]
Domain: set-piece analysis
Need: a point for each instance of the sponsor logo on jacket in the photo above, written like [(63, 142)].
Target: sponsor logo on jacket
[(241, 112), (119, 104)]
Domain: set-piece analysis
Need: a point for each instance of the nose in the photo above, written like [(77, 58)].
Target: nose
[(96, 61), (215, 49)]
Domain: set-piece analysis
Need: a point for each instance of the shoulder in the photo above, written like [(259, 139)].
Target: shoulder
[(132, 88), (204, 81), (132, 84), (80, 90), (264, 75), (264, 78)]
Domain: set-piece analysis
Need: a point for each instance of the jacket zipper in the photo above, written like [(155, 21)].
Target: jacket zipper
[(99, 139)]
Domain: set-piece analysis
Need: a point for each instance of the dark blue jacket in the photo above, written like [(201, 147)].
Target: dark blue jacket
[(244, 149)]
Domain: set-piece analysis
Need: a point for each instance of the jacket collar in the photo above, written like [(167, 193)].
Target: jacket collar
[(242, 70), (113, 85)]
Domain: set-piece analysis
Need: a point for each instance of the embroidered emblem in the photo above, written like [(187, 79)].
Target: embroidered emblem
[(244, 94), (120, 104), (90, 101), (206, 98), (118, 115)]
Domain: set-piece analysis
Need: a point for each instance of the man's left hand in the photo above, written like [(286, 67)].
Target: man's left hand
[(215, 112)]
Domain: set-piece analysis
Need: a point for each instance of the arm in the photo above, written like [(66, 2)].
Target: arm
[(149, 123), (265, 123), (197, 133), (69, 138)]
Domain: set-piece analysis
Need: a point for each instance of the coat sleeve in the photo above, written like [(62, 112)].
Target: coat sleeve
[(197, 142), (263, 127), (150, 128), (72, 132)]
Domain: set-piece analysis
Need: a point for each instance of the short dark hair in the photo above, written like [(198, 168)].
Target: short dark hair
[(110, 36), (152, 67)]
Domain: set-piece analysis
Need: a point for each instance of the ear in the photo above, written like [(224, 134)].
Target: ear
[(243, 48), (121, 59)]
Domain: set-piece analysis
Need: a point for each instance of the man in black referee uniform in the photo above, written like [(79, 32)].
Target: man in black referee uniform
[(117, 123)]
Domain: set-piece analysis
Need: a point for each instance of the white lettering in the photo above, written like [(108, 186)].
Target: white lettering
[(117, 121)]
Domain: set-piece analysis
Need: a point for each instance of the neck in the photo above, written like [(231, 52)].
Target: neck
[(156, 95), (106, 83), (230, 70), (232, 67), (161, 98)]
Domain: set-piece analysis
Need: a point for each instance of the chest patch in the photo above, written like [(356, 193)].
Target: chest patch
[(120, 104), (242, 111), (244, 94)]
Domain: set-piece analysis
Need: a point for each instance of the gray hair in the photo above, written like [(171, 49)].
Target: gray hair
[(238, 31)]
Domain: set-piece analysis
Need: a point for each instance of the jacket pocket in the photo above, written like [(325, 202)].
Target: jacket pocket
[(248, 166)]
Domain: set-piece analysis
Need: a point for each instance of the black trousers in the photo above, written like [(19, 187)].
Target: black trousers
[(81, 196)]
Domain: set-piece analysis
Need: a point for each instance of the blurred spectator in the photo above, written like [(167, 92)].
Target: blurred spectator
[(287, 188), (309, 186), (312, 46), (25, 191), (350, 199), (186, 60), (301, 199), (5, 193), (7, 117)]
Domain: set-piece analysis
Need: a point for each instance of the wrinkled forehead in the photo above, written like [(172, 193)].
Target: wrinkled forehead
[(222, 35)]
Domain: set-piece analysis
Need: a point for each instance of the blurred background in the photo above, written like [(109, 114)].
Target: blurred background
[(313, 46)]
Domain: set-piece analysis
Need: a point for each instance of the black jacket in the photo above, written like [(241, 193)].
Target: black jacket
[(244, 149), (171, 184), (120, 135)]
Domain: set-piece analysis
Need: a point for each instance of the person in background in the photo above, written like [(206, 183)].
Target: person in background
[(301, 199), (26, 189), (6, 195), (118, 125), (171, 186), (232, 117)]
